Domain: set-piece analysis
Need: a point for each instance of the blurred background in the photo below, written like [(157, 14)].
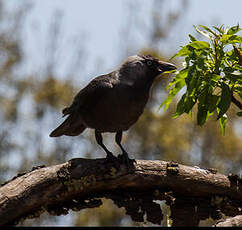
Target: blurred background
[(49, 50)]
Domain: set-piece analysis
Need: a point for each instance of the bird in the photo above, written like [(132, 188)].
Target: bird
[(113, 102)]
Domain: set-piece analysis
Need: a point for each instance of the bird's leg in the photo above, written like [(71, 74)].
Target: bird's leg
[(99, 139), (124, 156)]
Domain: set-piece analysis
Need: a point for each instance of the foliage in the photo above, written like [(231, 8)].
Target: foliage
[(211, 74), (53, 92)]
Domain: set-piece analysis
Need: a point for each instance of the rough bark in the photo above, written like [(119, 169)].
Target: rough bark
[(80, 183), (230, 222)]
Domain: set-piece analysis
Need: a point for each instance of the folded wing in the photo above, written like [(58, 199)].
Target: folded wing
[(88, 96)]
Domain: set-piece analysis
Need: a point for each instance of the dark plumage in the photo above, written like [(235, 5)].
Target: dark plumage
[(113, 102)]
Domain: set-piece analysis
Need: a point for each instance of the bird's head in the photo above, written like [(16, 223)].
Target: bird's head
[(145, 65)]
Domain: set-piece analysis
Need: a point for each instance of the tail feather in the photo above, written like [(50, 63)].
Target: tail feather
[(68, 128)]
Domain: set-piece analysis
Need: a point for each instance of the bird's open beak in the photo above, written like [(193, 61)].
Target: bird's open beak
[(165, 66)]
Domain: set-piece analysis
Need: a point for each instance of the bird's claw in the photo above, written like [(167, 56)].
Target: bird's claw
[(121, 159), (124, 158), (112, 159)]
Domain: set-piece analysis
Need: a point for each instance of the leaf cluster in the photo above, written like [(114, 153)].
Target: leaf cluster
[(211, 74)]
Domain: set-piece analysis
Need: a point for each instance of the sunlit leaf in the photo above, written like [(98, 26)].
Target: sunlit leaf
[(234, 30), (206, 34), (235, 39), (226, 38), (182, 52), (220, 30), (212, 70), (199, 45), (179, 77), (208, 29), (192, 38), (169, 71), (172, 93), (215, 77)]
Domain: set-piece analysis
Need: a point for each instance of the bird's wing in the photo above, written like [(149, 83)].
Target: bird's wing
[(91, 93)]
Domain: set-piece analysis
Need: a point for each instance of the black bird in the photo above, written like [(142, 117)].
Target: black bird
[(113, 102)]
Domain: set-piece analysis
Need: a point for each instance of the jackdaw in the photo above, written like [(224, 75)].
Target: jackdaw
[(113, 102)]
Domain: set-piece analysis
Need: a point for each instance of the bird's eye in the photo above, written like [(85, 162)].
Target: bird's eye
[(149, 63)]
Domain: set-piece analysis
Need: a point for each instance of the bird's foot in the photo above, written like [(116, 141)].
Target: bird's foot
[(110, 158), (124, 158)]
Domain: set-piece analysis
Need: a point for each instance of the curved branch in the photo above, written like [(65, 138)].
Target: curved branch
[(66, 186)]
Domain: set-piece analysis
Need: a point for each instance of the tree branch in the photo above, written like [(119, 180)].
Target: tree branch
[(236, 102), (78, 183), (230, 222)]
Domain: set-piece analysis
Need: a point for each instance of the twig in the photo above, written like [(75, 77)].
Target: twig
[(236, 102)]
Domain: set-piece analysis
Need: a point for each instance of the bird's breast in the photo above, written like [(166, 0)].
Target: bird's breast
[(116, 110)]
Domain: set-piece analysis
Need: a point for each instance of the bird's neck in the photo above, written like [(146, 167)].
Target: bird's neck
[(145, 84), (139, 80)]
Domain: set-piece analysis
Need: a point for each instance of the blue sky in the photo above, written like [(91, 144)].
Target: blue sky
[(99, 24)]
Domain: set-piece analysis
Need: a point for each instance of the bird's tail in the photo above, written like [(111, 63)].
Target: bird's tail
[(68, 128)]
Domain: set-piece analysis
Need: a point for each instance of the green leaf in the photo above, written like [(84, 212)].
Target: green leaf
[(208, 29), (192, 38), (230, 39), (239, 91), (189, 103), (190, 74), (239, 114), (190, 114), (235, 39), (201, 114), (191, 85), (202, 97), (199, 45), (180, 107), (228, 69), (179, 77), (225, 100), (209, 65), (222, 122), (167, 101), (212, 102), (202, 32), (169, 71), (172, 93), (184, 51), (215, 78), (185, 104), (234, 77), (234, 30), (220, 30)]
